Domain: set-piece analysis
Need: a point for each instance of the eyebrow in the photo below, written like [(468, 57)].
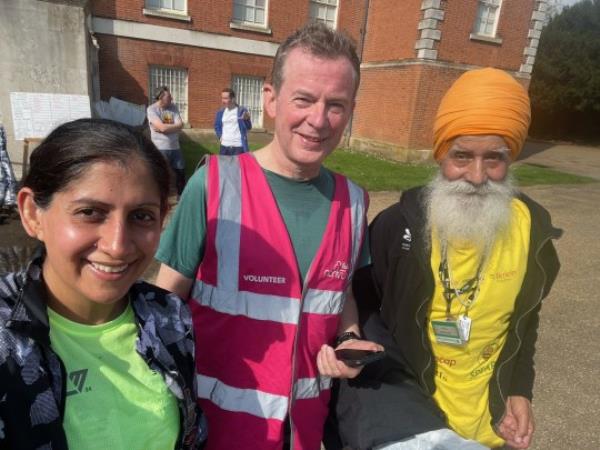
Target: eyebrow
[(95, 202), (503, 150), (310, 95)]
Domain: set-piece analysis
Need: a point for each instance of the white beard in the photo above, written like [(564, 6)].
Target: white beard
[(460, 211)]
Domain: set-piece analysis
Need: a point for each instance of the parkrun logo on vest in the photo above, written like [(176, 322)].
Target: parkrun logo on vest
[(340, 271), (266, 279)]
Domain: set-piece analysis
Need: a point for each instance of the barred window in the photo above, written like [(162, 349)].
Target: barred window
[(250, 11), (248, 91), (324, 11), (178, 6), (177, 82), (488, 13)]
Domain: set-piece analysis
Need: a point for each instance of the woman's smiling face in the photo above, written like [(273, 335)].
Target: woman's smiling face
[(100, 234)]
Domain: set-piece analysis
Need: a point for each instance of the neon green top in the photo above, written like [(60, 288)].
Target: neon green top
[(114, 400)]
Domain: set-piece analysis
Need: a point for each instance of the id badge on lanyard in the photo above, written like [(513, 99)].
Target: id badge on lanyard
[(452, 331)]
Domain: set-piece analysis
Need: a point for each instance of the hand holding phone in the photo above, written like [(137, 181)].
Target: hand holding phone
[(356, 358)]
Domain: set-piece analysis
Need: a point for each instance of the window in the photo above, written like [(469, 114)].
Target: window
[(486, 22), (251, 12), (176, 6), (324, 11), (177, 82), (248, 92)]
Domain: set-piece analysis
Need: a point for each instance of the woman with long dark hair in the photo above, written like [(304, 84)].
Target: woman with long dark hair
[(89, 356)]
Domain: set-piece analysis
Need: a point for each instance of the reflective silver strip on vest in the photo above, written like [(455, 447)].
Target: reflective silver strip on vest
[(266, 307), (311, 387), (357, 205), (248, 304), (229, 224), (251, 401), (317, 301)]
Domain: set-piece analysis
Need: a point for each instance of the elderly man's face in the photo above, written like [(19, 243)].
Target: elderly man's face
[(476, 159)]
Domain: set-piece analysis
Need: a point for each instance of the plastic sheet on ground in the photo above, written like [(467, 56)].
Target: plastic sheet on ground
[(8, 183), (121, 111)]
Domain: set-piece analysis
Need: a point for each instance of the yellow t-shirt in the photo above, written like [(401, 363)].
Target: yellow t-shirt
[(463, 372), (114, 401)]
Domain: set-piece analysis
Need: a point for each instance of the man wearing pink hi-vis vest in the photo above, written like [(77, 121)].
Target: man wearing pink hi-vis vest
[(264, 246)]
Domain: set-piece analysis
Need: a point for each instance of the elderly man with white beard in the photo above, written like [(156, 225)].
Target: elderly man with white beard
[(459, 270)]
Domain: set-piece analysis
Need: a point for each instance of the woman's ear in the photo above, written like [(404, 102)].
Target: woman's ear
[(30, 213)]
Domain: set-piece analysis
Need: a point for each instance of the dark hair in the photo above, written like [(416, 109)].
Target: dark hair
[(160, 91), (72, 148), (319, 40), (230, 91)]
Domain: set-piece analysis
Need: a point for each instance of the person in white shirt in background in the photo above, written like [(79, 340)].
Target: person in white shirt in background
[(232, 123)]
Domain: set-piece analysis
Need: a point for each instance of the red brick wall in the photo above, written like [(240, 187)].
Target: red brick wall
[(385, 103), (433, 84), (455, 45), (392, 30), (351, 19), (124, 65), (214, 16), (398, 105)]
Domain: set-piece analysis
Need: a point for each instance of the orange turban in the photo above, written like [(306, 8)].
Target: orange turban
[(483, 101)]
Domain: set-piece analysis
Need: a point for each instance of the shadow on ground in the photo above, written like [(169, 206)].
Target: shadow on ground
[(534, 147)]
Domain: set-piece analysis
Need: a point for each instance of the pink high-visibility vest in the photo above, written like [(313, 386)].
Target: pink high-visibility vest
[(258, 329)]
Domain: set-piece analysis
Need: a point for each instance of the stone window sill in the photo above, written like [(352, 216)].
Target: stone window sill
[(249, 27), (166, 14), (488, 39)]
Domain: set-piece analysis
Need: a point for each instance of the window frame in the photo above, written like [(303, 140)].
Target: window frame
[(477, 34), (245, 25), (326, 4), (182, 106), (260, 105), (170, 13)]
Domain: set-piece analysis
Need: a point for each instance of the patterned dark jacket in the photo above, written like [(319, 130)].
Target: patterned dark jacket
[(33, 378)]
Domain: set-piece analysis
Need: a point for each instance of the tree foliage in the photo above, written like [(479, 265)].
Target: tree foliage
[(565, 84)]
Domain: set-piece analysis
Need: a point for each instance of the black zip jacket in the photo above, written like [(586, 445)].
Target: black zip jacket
[(33, 379), (394, 296)]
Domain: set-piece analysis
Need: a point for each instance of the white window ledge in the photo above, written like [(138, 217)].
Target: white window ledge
[(489, 39), (167, 14), (249, 27)]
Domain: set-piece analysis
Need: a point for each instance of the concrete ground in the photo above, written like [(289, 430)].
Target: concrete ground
[(567, 391)]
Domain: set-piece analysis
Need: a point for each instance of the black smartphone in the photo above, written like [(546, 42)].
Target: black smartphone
[(356, 358)]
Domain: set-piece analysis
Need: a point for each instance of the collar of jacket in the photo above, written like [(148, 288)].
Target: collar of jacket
[(29, 314), (414, 199), (541, 224)]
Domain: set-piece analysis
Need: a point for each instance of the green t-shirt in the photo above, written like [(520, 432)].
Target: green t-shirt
[(304, 205), (114, 400)]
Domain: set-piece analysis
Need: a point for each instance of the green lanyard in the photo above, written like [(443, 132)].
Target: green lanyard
[(470, 288)]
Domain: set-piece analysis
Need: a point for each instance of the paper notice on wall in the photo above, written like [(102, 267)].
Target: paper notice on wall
[(35, 115)]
